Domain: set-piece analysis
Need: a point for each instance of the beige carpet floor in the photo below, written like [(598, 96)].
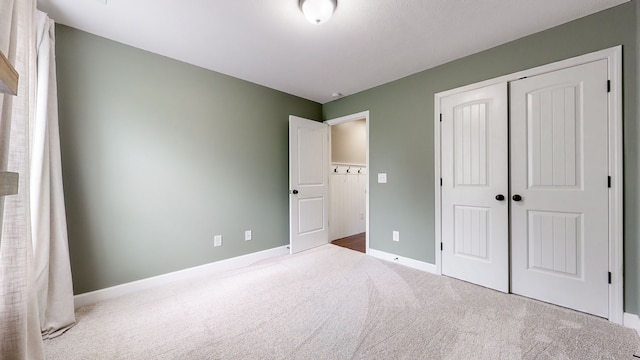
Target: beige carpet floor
[(334, 303)]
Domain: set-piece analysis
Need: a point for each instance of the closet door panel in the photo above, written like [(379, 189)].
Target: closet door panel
[(559, 169), (474, 171)]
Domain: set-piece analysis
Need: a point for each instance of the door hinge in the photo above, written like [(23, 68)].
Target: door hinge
[(440, 117), (440, 181), (608, 86), (609, 181), (609, 277), (441, 247)]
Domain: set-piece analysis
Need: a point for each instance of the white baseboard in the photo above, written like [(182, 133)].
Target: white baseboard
[(632, 321), (215, 267), (412, 263)]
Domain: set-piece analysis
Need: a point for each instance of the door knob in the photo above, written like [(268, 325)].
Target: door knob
[(295, 192), (499, 197), (516, 197)]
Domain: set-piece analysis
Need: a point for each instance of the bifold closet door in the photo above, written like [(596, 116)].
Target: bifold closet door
[(559, 170), (474, 203)]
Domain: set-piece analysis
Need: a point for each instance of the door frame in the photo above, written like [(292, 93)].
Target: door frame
[(342, 120), (614, 60)]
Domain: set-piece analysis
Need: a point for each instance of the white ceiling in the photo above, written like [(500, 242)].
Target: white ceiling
[(269, 42)]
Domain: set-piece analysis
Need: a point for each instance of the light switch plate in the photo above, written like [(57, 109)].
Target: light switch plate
[(217, 240), (382, 178)]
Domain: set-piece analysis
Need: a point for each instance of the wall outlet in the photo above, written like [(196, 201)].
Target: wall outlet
[(396, 235), (217, 240), (247, 235), (361, 215), (382, 178)]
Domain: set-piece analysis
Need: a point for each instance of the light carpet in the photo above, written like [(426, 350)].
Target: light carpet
[(334, 303)]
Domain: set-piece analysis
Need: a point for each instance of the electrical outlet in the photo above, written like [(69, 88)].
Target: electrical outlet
[(396, 235), (217, 240), (247, 235), (382, 178), (361, 215)]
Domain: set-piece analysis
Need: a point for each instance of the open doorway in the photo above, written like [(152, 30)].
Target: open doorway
[(349, 181)]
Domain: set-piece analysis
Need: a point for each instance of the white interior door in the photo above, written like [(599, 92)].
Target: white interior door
[(475, 209), (559, 179), (309, 184)]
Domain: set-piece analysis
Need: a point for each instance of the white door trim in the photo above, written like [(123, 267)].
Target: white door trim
[(348, 118), (614, 59)]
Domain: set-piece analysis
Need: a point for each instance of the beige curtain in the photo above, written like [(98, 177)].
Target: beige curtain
[(19, 324), (36, 296), (48, 218)]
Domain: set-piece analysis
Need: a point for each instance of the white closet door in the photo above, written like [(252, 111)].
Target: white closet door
[(474, 177), (559, 171)]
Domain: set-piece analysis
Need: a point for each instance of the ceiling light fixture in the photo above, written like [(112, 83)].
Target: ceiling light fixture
[(318, 11)]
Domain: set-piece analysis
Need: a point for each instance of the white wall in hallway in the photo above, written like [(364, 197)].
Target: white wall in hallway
[(347, 201)]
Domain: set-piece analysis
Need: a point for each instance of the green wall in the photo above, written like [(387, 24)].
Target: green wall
[(159, 156), (401, 130)]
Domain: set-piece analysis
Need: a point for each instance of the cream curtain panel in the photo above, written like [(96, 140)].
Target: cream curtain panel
[(19, 324), (36, 297), (48, 218)]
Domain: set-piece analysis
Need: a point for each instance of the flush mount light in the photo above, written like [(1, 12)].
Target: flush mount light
[(318, 11)]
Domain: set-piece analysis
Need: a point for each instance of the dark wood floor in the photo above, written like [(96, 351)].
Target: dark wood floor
[(353, 242)]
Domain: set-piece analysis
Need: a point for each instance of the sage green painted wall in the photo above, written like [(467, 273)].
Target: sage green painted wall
[(631, 229), (158, 156), (401, 130)]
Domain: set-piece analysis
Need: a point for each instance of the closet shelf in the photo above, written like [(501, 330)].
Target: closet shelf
[(8, 183), (8, 76)]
